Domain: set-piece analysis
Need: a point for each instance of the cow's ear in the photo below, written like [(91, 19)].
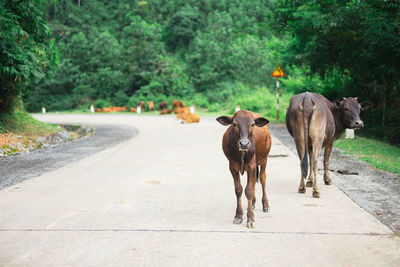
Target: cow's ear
[(338, 104), (225, 120), (365, 105), (260, 122)]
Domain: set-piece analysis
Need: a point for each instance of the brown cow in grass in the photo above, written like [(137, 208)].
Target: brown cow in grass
[(150, 105), (246, 144), (185, 115), (166, 111), (178, 104), (163, 105), (315, 122)]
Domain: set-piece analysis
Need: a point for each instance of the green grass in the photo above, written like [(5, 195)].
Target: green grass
[(379, 154), (21, 123)]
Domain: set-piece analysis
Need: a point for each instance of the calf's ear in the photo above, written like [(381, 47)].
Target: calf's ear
[(225, 120), (365, 105), (337, 104), (260, 122)]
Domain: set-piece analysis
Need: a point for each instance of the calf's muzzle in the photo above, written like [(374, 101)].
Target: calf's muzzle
[(357, 124), (244, 144)]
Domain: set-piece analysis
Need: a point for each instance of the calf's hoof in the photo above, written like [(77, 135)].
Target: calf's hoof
[(237, 220), (250, 225), (302, 190), (328, 181), (265, 209), (309, 184), (316, 194)]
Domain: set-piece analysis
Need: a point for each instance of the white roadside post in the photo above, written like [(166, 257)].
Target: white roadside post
[(349, 134), (91, 108), (237, 108), (43, 110), (139, 110), (191, 109)]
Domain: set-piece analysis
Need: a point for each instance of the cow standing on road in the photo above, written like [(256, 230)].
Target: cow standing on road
[(315, 122), (246, 144)]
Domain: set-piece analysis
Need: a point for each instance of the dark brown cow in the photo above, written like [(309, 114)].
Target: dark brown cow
[(163, 105), (246, 147), (315, 122)]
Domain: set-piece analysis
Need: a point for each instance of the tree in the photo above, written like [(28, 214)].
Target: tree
[(360, 39), (26, 50)]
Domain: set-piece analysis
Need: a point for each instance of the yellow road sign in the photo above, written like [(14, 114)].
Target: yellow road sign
[(278, 72)]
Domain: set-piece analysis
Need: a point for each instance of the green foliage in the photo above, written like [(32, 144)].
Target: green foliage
[(359, 43), (120, 99), (26, 50), (216, 54), (101, 103)]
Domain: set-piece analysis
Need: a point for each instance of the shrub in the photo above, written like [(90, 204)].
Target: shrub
[(101, 103)]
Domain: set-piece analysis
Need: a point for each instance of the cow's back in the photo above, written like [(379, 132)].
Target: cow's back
[(317, 108)]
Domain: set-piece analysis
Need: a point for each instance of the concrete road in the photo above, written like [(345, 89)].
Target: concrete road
[(166, 198)]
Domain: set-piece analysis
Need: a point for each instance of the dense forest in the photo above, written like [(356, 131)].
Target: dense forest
[(69, 54)]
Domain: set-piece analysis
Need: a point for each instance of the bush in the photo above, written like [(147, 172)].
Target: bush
[(120, 99), (101, 103)]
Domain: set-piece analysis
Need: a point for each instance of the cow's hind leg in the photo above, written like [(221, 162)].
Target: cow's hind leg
[(317, 145), (310, 176), (263, 178), (300, 152), (327, 153), (251, 180), (238, 191)]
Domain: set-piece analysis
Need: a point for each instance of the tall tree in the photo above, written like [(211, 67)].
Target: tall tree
[(26, 50)]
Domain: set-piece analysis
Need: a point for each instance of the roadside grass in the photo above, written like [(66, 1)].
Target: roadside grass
[(20, 126), (379, 154)]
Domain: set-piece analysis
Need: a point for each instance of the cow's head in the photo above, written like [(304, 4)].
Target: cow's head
[(242, 124), (350, 110)]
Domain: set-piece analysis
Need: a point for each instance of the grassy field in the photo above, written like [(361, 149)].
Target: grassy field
[(379, 154)]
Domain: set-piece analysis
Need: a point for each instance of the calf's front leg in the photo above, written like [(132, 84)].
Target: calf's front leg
[(251, 180), (238, 191)]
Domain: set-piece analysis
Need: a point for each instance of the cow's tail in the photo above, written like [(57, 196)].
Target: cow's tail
[(307, 108)]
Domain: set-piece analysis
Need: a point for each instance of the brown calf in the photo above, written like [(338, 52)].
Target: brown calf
[(190, 118), (178, 104), (315, 122), (246, 144), (150, 105)]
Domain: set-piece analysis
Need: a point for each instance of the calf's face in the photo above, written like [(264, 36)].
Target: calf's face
[(243, 124), (350, 109)]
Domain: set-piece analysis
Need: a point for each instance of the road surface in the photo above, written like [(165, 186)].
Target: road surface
[(166, 198)]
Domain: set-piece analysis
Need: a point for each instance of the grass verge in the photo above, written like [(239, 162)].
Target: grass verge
[(379, 154), (20, 126)]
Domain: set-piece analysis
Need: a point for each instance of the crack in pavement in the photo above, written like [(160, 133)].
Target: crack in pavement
[(196, 231)]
